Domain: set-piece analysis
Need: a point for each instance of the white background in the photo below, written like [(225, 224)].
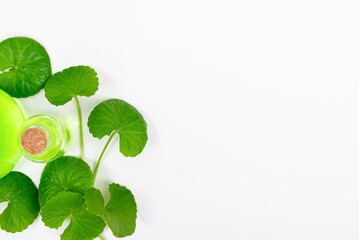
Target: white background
[(252, 110)]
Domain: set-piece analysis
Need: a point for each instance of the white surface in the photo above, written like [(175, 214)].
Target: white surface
[(252, 109)]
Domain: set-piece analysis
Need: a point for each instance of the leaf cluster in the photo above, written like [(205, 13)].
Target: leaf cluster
[(66, 185)]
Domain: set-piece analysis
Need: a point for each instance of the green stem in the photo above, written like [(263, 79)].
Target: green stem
[(81, 130), (100, 237), (102, 153)]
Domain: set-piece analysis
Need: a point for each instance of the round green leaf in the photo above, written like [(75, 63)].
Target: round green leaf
[(116, 115), (23, 206), (121, 211), (83, 225), (24, 66), (71, 82), (95, 202), (64, 174)]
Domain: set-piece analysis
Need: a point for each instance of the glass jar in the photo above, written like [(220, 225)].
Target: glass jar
[(43, 138)]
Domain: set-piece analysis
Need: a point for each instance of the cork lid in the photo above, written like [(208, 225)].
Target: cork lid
[(34, 140)]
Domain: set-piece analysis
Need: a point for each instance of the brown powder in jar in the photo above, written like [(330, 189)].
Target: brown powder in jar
[(34, 140)]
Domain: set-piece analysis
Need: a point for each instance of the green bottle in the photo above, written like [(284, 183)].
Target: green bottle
[(43, 138), (11, 119)]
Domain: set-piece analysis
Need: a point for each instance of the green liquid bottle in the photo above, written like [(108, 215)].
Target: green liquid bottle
[(43, 138), (11, 119)]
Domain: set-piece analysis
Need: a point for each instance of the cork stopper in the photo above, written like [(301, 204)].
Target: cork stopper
[(34, 140)]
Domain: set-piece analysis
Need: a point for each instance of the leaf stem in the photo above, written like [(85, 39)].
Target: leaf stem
[(102, 153), (100, 237), (80, 126)]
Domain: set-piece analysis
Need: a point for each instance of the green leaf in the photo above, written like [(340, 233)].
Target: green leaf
[(24, 66), (83, 225), (23, 206), (71, 82), (121, 211), (94, 201), (65, 174), (116, 115)]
